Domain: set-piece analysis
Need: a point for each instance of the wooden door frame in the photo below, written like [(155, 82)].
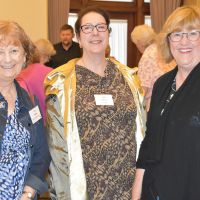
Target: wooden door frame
[(133, 12)]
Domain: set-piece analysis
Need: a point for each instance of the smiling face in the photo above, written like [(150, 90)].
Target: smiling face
[(185, 51), (12, 58), (94, 42)]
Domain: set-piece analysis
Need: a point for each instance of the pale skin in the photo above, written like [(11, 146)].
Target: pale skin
[(137, 184), (186, 55), (93, 44), (44, 59), (66, 37), (27, 189), (12, 59)]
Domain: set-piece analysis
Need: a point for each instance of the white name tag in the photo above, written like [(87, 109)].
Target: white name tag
[(35, 114), (104, 100)]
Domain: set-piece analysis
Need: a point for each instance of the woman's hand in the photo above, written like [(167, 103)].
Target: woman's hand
[(28, 193), (137, 184)]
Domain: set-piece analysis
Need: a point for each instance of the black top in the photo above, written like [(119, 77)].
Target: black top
[(62, 56), (170, 150)]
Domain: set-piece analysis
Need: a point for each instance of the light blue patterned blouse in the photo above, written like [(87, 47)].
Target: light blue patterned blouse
[(14, 157)]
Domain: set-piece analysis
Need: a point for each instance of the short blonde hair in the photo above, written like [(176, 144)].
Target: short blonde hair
[(183, 17), (143, 34), (43, 48), (12, 33)]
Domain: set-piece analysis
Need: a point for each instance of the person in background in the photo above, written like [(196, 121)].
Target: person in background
[(151, 65), (32, 77), (168, 163), (92, 104), (24, 154), (143, 36), (66, 49), (107, 51)]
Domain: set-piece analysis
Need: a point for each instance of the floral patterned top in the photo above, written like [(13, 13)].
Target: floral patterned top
[(14, 158), (107, 133), (151, 66)]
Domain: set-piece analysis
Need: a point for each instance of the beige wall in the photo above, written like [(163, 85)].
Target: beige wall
[(30, 14), (194, 2)]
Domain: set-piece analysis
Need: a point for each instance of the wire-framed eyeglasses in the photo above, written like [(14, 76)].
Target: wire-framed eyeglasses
[(88, 28), (177, 36)]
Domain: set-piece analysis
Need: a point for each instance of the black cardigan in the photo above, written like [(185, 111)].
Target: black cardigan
[(182, 114)]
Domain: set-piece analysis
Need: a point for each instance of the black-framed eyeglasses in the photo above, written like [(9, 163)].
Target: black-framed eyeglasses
[(88, 28), (177, 36)]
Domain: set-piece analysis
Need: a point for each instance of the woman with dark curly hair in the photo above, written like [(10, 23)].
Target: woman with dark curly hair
[(92, 104)]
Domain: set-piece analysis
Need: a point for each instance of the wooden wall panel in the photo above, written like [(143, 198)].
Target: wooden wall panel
[(192, 2)]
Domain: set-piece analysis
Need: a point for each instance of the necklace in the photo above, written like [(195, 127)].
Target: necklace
[(170, 96)]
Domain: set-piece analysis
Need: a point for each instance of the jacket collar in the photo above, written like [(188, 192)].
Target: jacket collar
[(23, 97)]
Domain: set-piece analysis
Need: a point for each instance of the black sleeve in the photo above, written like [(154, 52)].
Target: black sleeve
[(146, 145), (40, 158)]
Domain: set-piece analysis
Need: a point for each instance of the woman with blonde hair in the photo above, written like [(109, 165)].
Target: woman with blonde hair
[(44, 50), (143, 36), (32, 78), (168, 162), (151, 65)]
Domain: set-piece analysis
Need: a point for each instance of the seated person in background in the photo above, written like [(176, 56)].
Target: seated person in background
[(32, 77), (151, 65), (66, 49)]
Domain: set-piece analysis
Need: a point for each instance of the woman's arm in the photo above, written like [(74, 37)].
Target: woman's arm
[(40, 160), (137, 184), (28, 193)]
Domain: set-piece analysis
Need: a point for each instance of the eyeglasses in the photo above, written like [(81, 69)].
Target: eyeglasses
[(88, 28), (177, 36)]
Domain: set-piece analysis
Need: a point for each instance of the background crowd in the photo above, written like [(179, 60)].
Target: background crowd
[(71, 113)]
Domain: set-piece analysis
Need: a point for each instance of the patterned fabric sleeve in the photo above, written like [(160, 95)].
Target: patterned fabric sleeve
[(147, 66), (151, 66)]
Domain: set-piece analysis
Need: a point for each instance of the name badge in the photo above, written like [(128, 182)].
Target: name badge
[(104, 100), (35, 114)]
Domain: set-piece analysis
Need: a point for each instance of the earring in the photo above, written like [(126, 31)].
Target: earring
[(23, 65)]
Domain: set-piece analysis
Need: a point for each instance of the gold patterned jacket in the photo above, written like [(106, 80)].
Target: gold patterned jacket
[(67, 176)]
